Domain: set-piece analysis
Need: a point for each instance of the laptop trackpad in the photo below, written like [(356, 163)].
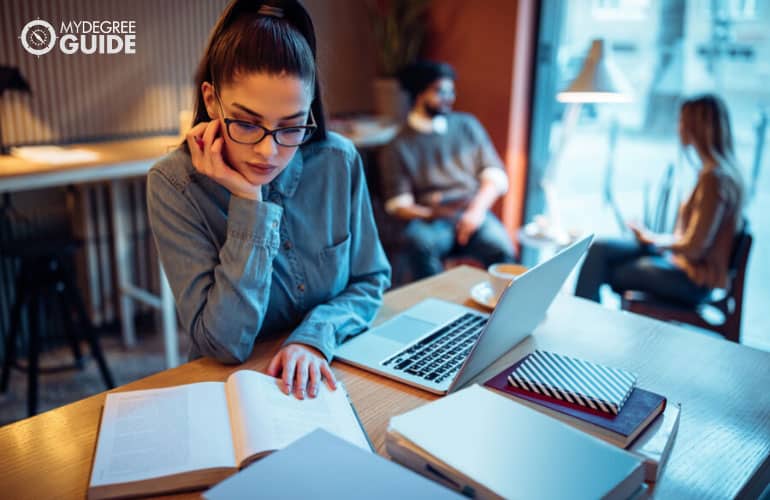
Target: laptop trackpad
[(403, 329)]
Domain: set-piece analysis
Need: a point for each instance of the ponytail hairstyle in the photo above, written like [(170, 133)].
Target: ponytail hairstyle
[(706, 125), (270, 36)]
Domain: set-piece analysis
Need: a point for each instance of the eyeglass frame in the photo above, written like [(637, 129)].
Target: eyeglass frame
[(310, 128)]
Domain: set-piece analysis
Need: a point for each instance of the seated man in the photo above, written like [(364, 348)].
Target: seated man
[(442, 175)]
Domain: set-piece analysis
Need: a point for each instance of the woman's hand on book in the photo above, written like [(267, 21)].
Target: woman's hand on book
[(301, 369), (206, 146)]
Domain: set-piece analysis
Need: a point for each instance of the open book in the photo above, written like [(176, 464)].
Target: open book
[(193, 436)]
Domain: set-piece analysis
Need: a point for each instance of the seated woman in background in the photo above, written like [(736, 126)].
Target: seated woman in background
[(262, 218), (686, 265)]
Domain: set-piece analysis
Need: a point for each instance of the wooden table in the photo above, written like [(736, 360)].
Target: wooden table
[(721, 450), (113, 162)]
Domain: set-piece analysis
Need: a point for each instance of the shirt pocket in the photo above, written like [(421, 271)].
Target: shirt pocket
[(334, 268)]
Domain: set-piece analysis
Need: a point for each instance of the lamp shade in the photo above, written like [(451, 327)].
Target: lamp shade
[(11, 79), (598, 81)]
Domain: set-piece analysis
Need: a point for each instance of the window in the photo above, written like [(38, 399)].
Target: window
[(667, 50)]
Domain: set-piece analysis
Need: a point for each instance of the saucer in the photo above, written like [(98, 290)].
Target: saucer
[(483, 294)]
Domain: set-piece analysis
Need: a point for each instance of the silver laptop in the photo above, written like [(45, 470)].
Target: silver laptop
[(440, 346)]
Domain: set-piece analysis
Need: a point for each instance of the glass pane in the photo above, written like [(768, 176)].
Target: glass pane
[(245, 132), (666, 50), (292, 136)]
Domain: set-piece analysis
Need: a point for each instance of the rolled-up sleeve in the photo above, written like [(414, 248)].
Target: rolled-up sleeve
[(351, 311), (489, 166), (221, 294), (497, 177), (396, 185)]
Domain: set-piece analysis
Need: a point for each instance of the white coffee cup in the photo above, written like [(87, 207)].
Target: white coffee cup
[(501, 275)]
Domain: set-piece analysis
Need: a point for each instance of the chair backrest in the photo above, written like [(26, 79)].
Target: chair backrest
[(739, 258), (732, 303), (34, 224), (739, 255)]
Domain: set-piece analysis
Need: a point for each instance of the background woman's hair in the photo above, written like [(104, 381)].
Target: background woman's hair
[(706, 124), (245, 41)]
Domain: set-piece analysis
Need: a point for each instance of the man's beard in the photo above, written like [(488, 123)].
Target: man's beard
[(434, 111)]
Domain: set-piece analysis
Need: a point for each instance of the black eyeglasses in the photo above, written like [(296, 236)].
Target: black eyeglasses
[(244, 132)]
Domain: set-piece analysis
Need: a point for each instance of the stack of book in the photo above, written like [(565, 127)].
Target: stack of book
[(485, 446), (602, 401)]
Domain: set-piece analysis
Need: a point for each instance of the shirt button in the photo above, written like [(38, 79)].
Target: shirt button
[(287, 245), (301, 287), (275, 224)]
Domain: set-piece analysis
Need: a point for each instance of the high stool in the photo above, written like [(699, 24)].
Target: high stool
[(45, 276)]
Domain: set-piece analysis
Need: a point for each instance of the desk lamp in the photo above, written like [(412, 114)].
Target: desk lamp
[(10, 79), (598, 82)]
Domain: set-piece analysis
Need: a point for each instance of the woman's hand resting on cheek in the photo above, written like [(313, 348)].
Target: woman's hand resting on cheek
[(206, 146)]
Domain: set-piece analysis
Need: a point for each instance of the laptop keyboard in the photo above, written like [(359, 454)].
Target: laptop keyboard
[(439, 355)]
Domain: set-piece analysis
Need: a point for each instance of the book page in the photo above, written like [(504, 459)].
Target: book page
[(161, 432), (266, 419)]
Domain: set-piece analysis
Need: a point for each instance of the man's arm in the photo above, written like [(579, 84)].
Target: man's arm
[(414, 211), (493, 184), (485, 197), (397, 189)]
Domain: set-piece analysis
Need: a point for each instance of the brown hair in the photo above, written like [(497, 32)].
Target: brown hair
[(706, 124), (271, 36)]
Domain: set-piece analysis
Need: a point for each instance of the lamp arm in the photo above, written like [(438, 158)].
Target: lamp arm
[(571, 115), (609, 173)]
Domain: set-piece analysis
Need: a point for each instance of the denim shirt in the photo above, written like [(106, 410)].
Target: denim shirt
[(307, 258)]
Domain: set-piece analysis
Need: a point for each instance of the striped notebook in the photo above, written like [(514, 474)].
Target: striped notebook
[(573, 381)]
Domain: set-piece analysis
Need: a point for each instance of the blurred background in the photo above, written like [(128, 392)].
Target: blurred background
[(79, 132)]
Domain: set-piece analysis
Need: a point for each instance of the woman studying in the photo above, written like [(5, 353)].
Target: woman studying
[(686, 265), (262, 218)]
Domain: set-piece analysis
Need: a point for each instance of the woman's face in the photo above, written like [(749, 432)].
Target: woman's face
[(263, 99)]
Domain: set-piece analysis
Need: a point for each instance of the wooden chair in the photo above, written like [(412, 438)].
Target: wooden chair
[(728, 302)]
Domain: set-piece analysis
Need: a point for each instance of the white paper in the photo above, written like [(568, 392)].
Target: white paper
[(160, 432), (266, 419)]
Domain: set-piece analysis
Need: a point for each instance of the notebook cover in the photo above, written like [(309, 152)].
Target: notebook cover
[(573, 381), (493, 447), (323, 466), (638, 407)]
